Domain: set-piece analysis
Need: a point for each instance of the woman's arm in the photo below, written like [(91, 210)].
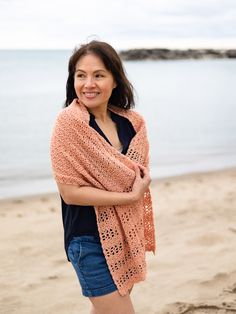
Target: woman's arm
[(90, 196)]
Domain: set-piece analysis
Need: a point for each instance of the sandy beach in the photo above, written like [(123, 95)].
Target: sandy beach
[(193, 271)]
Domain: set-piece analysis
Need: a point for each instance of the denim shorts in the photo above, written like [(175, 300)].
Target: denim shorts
[(86, 256)]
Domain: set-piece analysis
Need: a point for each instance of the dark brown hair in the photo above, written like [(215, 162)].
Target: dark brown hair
[(122, 95)]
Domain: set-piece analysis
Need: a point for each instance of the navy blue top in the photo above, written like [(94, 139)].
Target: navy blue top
[(79, 219)]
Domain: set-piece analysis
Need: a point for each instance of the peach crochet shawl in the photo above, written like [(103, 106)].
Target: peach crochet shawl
[(82, 157)]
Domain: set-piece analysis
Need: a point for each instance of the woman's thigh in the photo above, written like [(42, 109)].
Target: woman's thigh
[(113, 303), (88, 260)]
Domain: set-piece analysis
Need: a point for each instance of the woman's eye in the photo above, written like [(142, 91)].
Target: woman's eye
[(80, 75), (99, 75)]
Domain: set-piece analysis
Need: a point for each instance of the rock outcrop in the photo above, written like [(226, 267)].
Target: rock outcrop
[(176, 54)]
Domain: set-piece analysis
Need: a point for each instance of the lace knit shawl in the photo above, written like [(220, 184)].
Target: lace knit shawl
[(82, 157)]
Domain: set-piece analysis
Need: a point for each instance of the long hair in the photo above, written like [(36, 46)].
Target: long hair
[(122, 95)]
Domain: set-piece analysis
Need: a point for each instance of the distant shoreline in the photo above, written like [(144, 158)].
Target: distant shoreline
[(176, 54)]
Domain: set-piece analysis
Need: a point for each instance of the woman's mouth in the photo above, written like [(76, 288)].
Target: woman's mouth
[(90, 95)]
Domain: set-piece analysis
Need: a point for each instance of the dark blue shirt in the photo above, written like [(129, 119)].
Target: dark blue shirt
[(81, 220)]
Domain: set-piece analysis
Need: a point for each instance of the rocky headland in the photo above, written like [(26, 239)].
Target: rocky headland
[(176, 54)]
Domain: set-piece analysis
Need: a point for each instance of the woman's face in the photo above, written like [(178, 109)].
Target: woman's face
[(93, 83)]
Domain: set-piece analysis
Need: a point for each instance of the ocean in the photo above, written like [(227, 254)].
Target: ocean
[(189, 107)]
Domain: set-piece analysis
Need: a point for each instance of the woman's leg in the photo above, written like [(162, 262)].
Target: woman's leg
[(112, 303), (93, 311)]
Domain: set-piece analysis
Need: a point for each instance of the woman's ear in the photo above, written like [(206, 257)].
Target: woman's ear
[(114, 85)]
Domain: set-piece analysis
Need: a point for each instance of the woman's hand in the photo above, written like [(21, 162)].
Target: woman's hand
[(141, 182)]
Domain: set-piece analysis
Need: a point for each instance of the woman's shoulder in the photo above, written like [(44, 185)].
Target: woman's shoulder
[(136, 114), (70, 113), (127, 113)]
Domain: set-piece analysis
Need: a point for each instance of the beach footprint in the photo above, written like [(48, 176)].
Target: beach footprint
[(219, 278), (207, 239), (201, 308), (223, 303)]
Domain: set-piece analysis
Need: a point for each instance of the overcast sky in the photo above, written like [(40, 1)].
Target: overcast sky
[(123, 23)]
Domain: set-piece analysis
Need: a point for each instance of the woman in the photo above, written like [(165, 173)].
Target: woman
[(99, 153)]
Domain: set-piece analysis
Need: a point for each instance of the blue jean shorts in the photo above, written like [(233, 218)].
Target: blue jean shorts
[(86, 256)]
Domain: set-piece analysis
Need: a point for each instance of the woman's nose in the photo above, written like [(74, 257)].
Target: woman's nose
[(89, 82)]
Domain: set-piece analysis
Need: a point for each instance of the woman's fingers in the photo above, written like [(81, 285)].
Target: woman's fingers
[(139, 165), (137, 171), (140, 170), (144, 173), (143, 169)]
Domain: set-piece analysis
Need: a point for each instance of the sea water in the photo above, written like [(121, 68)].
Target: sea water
[(189, 107)]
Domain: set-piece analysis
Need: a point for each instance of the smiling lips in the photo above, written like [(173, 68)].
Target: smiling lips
[(91, 95)]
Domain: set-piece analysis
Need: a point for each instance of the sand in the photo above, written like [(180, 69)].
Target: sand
[(193, 271)]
